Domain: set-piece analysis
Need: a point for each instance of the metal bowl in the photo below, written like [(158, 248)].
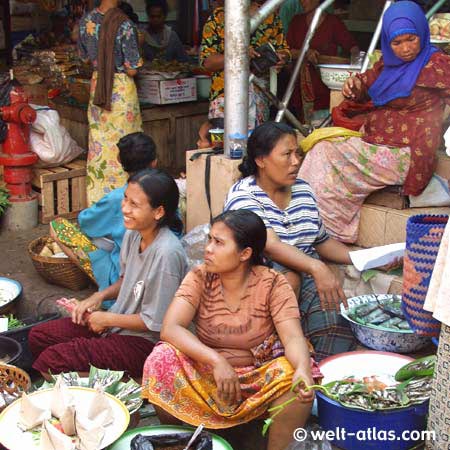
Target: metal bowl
[(10, 291), (334, 75), (398, 341)]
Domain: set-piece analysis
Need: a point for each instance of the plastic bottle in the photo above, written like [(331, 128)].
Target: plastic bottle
[(237, 146)]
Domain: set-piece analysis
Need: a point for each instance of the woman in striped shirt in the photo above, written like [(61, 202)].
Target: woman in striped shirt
[(296, 238)]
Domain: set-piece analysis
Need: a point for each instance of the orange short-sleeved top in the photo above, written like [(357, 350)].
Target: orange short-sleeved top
[(267, 301)]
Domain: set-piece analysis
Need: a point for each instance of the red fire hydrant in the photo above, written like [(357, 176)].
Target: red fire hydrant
[(17, 157)]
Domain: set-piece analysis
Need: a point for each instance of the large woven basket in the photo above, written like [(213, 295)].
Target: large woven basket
[(60, 271), (13, 381), (423, 237)]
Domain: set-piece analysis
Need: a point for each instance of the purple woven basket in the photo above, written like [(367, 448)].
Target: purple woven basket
[(423, 237)]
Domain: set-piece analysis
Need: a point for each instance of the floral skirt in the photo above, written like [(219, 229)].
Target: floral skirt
[(104, 172), (186, 389), (258, 107), (342, 174), (69, 235)]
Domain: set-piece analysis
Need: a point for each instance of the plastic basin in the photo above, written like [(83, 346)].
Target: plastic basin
[(10, 350), (10, 291), (20, 335), (334, 416)]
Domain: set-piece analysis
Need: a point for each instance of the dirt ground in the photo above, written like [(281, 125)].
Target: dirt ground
[(38, 295)]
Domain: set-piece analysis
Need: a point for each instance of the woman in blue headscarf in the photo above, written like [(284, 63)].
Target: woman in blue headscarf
[(408, 88)]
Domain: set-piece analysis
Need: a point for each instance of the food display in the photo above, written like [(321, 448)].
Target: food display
[(412, 385), (380, 314), (173, 441), (63, 418), (108, 380), (52, 250)]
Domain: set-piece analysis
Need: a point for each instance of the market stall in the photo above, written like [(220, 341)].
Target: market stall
[(173, 127)]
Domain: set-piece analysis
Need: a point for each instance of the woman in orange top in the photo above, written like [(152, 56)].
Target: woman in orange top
[(249, 347)]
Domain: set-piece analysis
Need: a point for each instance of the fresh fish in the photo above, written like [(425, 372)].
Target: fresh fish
[(391, 323), (404, 325), (393, 309), (377, 317), (364, 310)]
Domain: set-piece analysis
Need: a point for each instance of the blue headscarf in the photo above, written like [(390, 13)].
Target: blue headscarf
[(399, 77)]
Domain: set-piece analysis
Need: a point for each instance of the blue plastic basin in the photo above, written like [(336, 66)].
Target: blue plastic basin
[(334, 416)]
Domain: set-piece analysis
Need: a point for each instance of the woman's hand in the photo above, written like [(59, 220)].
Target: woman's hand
[(228, 387), (90, 304), (252, 53), (328, 286), (282, 60), (312, 56), (303, 395), (352, 88), (97, 322)]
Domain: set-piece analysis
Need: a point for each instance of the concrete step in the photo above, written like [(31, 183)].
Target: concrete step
[(380, 225)]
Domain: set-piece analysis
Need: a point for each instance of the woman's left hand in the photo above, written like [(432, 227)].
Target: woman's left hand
[(282, 60), (304, 396), (97, 322)]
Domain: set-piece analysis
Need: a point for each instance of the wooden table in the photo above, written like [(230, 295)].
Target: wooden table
[(174, 128)]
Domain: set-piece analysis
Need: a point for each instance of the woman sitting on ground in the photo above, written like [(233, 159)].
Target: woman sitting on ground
[(249, 348), (409, 88), (153, 263), (296, 236), (95, 246)]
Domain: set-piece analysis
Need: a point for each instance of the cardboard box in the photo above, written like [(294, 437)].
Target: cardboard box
[(381, 226), (163, 92), (224, 173), (390, 196)]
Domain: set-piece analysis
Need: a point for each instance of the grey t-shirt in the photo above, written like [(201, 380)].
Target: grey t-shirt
[(150, 279)]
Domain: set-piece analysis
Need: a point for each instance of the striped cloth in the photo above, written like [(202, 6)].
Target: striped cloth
[(299, 224)]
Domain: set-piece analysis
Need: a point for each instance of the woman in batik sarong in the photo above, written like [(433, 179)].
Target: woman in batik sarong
[(108, 39), (248, 349), (409, 88)]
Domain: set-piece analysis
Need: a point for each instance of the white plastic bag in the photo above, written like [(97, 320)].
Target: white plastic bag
[(51, 141), (194, 244), (447, 141), (437, 193)]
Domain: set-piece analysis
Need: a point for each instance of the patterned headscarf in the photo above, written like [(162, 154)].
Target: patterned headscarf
[(398, 77)]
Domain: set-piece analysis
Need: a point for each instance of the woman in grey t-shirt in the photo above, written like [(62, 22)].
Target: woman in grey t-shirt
[(153, 264)]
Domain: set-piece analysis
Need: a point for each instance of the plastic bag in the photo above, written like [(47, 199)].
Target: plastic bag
[(51, 141), (437, 193), (194, 244), (310, 443)]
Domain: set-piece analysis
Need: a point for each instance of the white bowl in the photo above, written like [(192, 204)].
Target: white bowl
[(334, 75)]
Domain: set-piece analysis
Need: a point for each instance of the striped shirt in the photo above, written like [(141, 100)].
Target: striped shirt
[(299, 224)]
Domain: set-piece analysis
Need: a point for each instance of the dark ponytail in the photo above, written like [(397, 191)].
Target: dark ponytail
[(261, 143), (248, 231), (161, 190)]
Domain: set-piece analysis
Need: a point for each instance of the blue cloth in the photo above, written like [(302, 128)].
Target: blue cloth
[(105, 219), (398, 77)]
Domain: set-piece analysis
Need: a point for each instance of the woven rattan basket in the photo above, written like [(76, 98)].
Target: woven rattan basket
[(60, 271), (13, 381)]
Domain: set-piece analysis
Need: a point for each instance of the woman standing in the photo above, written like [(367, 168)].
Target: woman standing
[(152, 262), (212, 57), (108, 39), (248, 349), (310, 94)]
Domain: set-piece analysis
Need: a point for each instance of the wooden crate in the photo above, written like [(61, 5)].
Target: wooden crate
[(61, 190)]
